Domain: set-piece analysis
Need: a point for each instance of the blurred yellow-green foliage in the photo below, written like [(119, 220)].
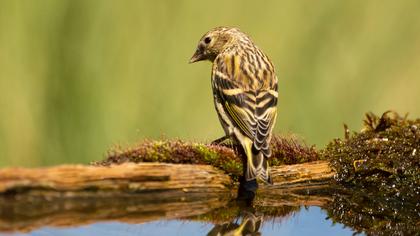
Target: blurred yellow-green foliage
[(78, 76)]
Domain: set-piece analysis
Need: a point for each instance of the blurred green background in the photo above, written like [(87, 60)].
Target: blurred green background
[(78, 76)]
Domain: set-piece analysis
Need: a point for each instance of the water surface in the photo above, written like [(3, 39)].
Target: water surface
[(306, 221), (277, 211)]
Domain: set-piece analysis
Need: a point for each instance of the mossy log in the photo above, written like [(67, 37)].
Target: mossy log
[(142, 177), (286, 150)]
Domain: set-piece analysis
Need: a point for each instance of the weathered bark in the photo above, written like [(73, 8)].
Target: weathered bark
[(127, 177), (149, 177), (302, 175)]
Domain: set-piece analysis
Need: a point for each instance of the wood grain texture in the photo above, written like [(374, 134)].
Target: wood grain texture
[(126, 177), (129, 177)]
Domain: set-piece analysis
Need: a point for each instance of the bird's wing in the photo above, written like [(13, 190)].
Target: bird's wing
[(252, 110), (266, 113), (237, 100)]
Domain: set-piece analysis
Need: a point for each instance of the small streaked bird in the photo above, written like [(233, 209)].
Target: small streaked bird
[(245, 94)]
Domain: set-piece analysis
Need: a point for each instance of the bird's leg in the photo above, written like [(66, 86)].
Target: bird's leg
[(247, 190), (219, 140), (224, 141)]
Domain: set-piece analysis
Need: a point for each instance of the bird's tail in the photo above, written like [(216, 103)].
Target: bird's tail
[(257, 165)]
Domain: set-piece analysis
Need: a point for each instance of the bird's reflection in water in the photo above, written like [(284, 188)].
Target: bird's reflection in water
[(248, 223)]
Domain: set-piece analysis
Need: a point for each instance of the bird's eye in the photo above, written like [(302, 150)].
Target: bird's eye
[(207, 40)]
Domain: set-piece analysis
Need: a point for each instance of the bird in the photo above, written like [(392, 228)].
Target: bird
[(250, 225), (244, 85)]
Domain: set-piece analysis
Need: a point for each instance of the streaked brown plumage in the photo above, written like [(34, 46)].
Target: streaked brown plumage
[(245, 93)]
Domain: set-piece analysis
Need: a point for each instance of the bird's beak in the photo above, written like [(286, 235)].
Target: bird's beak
[(198, 56)]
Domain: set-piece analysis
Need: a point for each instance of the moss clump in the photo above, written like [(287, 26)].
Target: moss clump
[(291, 150), (286, 150), (177, 152), (383, 157)]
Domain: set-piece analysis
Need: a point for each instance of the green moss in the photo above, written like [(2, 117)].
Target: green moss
[(208, 155), (219, 158), (286, 150)]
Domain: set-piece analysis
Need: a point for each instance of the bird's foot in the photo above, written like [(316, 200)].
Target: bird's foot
[(247, 191)]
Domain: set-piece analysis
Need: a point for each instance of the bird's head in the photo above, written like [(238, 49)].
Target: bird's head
[(214, 42)]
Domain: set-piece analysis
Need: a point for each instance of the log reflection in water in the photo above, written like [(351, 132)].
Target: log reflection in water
[(28, 212)]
